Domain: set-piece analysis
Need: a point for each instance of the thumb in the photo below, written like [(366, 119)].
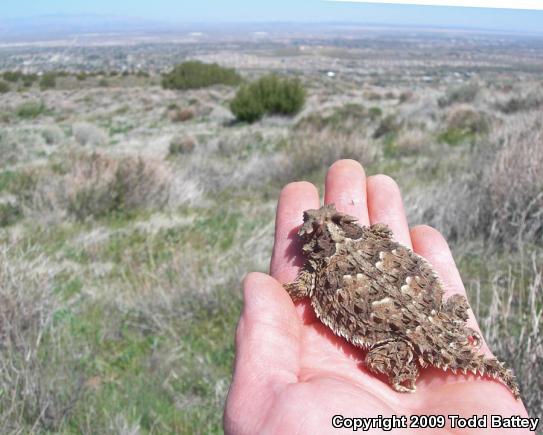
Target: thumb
[(267, 350)]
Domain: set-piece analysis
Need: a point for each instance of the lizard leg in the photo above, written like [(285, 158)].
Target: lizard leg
[(301, 286), (457, 306), (395, 359), (476, 339)]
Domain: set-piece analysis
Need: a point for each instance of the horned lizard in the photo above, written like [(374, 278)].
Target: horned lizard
[(382, 297)]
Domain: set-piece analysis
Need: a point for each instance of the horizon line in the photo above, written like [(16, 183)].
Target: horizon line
[(520, 5)]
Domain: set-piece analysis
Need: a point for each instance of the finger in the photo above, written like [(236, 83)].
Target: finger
[(346, 188), (385, 206), (267, 348), (430, 244), (294, 199)]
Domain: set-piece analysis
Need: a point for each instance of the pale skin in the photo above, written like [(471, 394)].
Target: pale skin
[(292, 375)]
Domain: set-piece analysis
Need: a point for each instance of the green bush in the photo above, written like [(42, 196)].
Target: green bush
[(30, 110), (4, 87), (269, 95), (48, 80), (247, 105), (12, 76), (455, 136), (375, 112), (29, 79), (9, 214), (195, 75)]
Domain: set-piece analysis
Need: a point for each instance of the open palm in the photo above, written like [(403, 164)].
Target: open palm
[(292, 375)]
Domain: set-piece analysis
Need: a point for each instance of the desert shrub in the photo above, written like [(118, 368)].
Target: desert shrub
[(94, 185), (348, 117), (41, 377), (389, 126), (12, 76), (9, 213), (4, 87), (499, 198), (468, 119), (513, 184), (52, 134), (459, 94), (455, 136), (464, 123), (410, 141), (98, 185), (29, 79), (195, 75), (18, 183), (180, 115), (375, 112), (182, 145), (520, 104), (103, 83), (247, 105), (373, 96), (81, 76), (270, 95), (406, 96), (30, 110), (89, 134), (48, 80), (280, 96), (314, 151)]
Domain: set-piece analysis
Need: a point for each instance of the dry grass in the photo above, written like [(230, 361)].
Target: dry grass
[(182, 145), (412, 141), (319, 139), (514, 182), (512, 324), (98, 185), (39, 383), (312, 151), (499, 196), (95, 185)]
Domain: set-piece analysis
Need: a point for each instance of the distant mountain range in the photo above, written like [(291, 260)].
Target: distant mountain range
[(51, 27)]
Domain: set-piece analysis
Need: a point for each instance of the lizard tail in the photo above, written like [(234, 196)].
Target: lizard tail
[(493, 368), (477, 364)]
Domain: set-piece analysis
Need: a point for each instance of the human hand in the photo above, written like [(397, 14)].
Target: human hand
[(292, 374)]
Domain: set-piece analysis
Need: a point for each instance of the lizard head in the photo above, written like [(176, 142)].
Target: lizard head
[(325, 227)]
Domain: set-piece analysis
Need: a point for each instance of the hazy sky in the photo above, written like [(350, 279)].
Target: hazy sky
[(281, 10)]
